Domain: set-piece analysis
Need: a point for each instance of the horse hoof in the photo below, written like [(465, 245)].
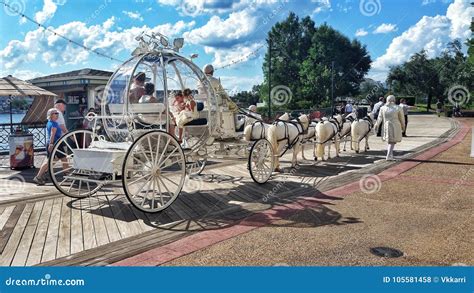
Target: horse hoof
[(357, 152), (278, 170)]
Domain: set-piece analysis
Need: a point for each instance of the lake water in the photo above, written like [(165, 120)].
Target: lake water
[(5, 118)]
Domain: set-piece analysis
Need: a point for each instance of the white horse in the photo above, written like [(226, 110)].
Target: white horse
[(256, 130), (289, 134), (345, 132), (306, 137), (327, 132), (360, 129), (310, 136)]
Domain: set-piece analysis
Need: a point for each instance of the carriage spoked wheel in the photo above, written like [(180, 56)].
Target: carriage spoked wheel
[(260, 163), (196, 162), (153, 171), (72, 182)]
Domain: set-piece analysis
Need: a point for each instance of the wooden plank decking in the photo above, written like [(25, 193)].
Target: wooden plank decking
[(57, 230)]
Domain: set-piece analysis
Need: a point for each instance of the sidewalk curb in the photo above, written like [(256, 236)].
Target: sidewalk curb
[(197, 241)]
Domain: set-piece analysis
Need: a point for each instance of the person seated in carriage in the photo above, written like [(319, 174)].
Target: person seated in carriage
[(235, 123), (148, 96), (223, 98), (254, 115), (183, 110), (137, 89)]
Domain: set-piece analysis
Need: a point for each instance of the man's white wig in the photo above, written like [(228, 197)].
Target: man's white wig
[(208, 69), (391, 99)]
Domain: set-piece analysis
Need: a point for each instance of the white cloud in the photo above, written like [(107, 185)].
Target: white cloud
[(235, 85), (212, 7), (321, 5), (361, 32), (427, 2), (54, 51), (133, 15), (26, 74), (385, 28), (228, 32), (48, 11), (430, 33), (460, 14), (224, 56)]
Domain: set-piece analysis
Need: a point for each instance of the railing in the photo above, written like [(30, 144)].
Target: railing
[(38, 131)]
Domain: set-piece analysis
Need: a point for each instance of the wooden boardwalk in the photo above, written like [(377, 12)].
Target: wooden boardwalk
[(57, 230)]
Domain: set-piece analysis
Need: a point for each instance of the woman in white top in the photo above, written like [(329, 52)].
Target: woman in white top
[(187, 112), (392, 121)]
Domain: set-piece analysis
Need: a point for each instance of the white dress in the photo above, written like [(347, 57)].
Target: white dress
[(393, 123), (186, 116)]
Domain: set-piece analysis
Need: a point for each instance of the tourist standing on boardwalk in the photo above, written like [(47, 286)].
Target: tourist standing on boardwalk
[(60, 105), (54, 133), (392, 121)]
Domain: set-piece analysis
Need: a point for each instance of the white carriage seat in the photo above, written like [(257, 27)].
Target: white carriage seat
[(103, 144), (151, 112)]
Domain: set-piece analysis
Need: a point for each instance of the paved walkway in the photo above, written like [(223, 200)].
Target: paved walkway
[(40, 226), (422, 207)]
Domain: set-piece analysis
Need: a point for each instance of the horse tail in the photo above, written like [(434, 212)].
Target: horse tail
[(248, 132), (319, 144), (354, 134)]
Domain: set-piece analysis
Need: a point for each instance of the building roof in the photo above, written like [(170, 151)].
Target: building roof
[(76, 74)]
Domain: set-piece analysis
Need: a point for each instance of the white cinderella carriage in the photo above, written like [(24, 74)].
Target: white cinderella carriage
[(130, 142)]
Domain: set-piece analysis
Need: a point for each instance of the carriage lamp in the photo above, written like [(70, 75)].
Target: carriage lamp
[(178, 44)]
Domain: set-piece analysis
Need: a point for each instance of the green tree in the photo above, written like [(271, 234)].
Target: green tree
[(432, 78), (418, 77), (291, 40), (247, 98), (301, 60), (470, 44), (351, 63), (19, 103), (371, 90)]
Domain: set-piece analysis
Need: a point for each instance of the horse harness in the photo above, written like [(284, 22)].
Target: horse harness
[(344, 119), (371, 126), (297, 124), (338, 127), (262, 131)]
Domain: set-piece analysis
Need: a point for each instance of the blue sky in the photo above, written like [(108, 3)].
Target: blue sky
[(219, 31)]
